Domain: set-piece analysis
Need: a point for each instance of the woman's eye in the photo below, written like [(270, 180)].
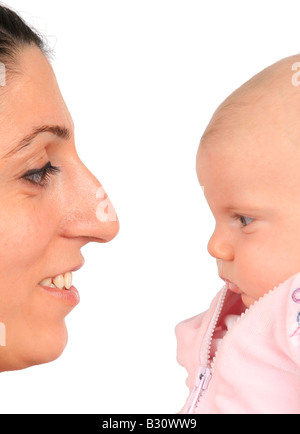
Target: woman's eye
[(41, 176), (245, 220)]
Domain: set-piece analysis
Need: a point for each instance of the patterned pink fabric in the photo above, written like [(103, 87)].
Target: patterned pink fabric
[(254, 357)]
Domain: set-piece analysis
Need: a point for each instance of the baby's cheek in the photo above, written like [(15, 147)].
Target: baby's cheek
[(251, 279)]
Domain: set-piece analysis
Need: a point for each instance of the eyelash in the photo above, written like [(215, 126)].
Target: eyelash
[(43, 175), (240, 217)]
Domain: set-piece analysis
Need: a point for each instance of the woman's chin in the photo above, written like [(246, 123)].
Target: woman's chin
[(50, 348), (37, 350)]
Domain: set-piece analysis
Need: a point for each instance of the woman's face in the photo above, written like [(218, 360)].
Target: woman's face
[(44, 220)]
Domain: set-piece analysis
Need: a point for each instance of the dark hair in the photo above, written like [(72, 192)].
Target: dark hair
[(15, 34)]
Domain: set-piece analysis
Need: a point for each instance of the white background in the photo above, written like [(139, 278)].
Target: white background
[(141, 80)]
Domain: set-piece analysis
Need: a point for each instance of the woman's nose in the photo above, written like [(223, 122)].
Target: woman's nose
[(220, 247), (89, 212)]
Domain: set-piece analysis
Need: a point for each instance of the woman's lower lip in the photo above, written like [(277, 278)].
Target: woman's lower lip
[(68, 296)]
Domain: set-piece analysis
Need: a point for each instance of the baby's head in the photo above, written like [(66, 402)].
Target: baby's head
[(249, 165)]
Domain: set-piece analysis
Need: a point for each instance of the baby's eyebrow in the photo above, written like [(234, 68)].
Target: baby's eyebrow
[(57, 130), (266, 210), (242, 206)]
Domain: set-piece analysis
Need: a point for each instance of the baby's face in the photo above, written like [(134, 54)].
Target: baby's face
[(249, 166)]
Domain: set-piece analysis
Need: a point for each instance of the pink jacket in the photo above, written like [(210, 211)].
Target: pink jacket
[(255, 367)]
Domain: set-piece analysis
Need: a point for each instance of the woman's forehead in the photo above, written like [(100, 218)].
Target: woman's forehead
[(30, 101)]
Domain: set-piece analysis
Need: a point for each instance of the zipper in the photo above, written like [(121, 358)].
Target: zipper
[(204, 373), (201, 384)]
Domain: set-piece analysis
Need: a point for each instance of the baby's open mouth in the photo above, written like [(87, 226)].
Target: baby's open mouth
[(62, 281)]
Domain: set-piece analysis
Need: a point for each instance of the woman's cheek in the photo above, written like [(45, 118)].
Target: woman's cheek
[(25, 237)]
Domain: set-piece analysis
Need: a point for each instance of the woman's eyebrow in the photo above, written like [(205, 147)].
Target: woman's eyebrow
[(57, 130)]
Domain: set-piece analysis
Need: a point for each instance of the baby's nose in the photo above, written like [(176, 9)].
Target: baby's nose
[(219, 247)]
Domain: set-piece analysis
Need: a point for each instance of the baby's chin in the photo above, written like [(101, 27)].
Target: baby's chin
[(247, 300)]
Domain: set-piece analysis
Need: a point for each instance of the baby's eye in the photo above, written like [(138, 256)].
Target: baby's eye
[(245, 220)]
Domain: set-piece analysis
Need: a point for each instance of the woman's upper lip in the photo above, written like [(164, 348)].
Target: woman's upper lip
[(68, 270)]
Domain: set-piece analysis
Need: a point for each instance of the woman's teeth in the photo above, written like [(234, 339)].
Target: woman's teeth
[(60, 282)]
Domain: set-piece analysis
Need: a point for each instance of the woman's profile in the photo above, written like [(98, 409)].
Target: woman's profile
[(50, 203)]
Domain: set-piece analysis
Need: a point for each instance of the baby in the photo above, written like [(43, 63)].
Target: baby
[(243, 354)]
